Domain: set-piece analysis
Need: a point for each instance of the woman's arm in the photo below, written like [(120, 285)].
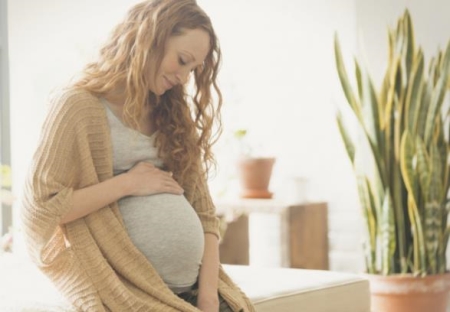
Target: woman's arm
[(208, 298), (142, 179), (92, 198)]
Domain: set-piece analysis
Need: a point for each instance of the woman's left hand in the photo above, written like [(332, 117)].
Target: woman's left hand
[(208, 302)]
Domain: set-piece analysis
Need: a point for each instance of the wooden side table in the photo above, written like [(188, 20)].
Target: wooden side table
[(304, 231)]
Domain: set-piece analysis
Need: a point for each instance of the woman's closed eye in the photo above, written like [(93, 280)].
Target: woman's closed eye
[(181, 61)]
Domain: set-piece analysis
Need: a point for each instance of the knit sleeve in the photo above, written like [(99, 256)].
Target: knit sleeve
[(204, 206), (47, 190)]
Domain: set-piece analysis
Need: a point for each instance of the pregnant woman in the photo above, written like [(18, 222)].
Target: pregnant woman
[(116, 208)]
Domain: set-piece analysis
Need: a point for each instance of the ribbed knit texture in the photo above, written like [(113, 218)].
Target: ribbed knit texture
[(92, 260)]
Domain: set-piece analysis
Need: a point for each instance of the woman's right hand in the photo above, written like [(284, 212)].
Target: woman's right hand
[(146, 179)]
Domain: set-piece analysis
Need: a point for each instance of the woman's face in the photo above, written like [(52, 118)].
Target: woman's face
[(183, 53)]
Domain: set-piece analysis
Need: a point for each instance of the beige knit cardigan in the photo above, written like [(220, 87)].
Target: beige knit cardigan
[(92, 260)]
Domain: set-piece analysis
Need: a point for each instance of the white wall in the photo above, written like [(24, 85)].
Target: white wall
[(278, 79)]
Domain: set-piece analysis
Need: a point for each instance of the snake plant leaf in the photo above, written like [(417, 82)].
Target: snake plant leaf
[(445, 66), (375, 210), (436, 193), (445, 238), (442, 146), (370, 111), (437, 69), (380, 171), (359, 78), (423, 166), (388, 77), (443, 153), (385, 87), (348, 142), (369, 218), (432, 216), (391, 40), (432, 226), (399, 82), (398, 127), (390, 115), (419, 251), (424, 107), (387, 233), (414, 93), (399, 196), (407, 166), (343, 77), (399, 37), (435, 105), (410, 51), (392, 73), (432, 70)]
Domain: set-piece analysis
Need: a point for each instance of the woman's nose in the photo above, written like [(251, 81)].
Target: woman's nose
[(182, 76)]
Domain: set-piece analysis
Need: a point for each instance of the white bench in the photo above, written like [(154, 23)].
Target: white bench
[(23, 288)]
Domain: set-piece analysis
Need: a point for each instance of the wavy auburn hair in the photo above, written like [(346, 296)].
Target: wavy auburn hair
[(184, 123)]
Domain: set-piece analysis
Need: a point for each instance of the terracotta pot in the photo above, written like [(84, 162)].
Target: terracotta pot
[(254, 177), (405, 293)]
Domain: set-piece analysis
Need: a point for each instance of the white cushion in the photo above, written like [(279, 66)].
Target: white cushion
[(282, 289), (23, 288)]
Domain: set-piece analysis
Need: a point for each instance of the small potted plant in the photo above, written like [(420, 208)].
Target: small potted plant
[(254, 172)]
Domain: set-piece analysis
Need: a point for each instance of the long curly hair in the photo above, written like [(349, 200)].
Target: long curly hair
[(187, 125)]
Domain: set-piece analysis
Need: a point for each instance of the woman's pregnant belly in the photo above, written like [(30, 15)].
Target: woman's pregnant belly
[(167, 230)]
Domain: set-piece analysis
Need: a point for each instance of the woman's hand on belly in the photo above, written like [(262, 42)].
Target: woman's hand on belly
[(145, 179)]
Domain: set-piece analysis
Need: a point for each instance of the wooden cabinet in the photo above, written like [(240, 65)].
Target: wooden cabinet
[(234, 246), (303, 231), (308, 236)]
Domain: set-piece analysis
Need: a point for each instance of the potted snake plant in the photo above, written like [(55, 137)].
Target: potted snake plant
[(400, 160)]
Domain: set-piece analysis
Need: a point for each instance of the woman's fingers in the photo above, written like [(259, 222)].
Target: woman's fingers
[(172, 186), (152, 180)]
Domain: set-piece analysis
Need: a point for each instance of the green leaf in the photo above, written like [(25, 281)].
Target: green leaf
[(436, 193), (387, 233), (343, 77), (423, 166), (410, 50), (370, 220), (414, 94), (419, 250), (423, 109), (407, 152), (435, 105), (349, 146)]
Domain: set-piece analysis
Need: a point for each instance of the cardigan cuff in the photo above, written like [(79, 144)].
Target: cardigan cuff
[(210, 224)]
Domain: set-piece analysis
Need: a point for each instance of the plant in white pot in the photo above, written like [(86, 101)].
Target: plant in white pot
[(254, 172), (401, 165)]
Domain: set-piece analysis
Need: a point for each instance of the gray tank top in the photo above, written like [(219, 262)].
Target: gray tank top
[(164, 227)]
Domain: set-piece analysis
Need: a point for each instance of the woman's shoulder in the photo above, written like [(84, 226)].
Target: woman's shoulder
[(74, 106), (70, 101), (70, 96)]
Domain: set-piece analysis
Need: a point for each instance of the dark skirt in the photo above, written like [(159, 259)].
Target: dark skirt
[(191, 297)]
